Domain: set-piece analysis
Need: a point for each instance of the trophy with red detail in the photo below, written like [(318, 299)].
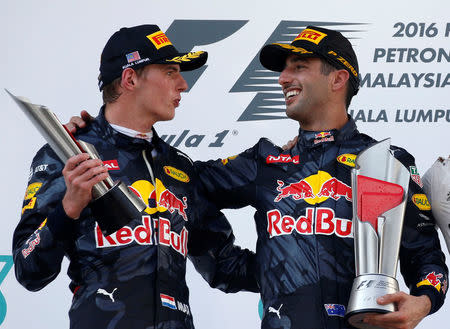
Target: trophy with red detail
[(114, 204), (380, 188)]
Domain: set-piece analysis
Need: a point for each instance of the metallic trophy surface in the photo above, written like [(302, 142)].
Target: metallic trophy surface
[(380, 189), (114, 204)]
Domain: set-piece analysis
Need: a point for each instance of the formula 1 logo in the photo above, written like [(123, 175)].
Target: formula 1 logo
[(269, 101), (8, 263)]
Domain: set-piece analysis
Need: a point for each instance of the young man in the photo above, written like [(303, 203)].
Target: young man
[(135, 277), (305, 253)]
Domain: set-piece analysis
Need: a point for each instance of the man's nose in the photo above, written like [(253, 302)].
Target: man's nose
[(182, 86), (285, 77)]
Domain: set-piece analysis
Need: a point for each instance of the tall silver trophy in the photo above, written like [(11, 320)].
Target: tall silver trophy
[(380, 189), (114, 204)]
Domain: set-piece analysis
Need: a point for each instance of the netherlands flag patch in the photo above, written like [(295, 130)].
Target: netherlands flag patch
[(168, 301)]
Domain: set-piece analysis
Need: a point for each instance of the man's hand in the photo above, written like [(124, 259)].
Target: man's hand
[(290, 144), (81, 174), (411, 310), (79, 122)]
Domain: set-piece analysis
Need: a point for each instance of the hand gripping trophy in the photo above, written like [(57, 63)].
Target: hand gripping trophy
[(380, 188), (114, 205)]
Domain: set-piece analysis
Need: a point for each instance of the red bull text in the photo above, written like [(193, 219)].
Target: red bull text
[(144, 235), (315, 221)]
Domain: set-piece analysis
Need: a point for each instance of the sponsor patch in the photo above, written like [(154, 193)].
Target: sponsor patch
[(33, 242), (159, 39), (111, 164), (134, 56), (32, 190), (344, 61), (335, 309), (186, 58), (283, 158), (294, 49), (274, 310), (415, 175), (225, 161), (39, 168), (318, 220), (347, 159), (421, 201), (176, 173), (29, 205), (311, 36), (432, 279), (324, 136), (141, 234), (168, 301), (42, 224)]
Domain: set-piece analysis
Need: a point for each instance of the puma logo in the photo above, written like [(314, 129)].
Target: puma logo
[(277, 312), (104, 292)]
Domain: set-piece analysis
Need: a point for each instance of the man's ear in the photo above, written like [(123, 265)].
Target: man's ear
[(339, 81), (129, 77)]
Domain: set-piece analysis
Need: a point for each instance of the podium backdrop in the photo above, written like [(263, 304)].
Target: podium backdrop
[(50, 53)]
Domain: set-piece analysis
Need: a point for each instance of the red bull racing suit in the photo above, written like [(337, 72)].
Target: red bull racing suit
[(303, 202), (135, 277)]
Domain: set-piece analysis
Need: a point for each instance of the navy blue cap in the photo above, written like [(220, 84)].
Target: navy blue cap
[(142, 45)]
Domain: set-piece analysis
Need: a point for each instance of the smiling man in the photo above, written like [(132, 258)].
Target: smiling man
[(135, 277), (302, 197)]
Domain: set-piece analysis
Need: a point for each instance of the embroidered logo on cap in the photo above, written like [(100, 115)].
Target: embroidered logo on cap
[(311, 36), (134, 56), (159, 39)]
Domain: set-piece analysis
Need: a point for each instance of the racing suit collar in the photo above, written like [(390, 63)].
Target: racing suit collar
[(310, 138), (120, 140)]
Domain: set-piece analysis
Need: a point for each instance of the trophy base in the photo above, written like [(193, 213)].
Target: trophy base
[(363, 298), (116, 208)]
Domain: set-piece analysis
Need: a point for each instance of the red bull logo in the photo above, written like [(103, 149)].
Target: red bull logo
[(432, 279), (315, 221), (335, 189), (283, 158), (299, 190), (314, 189), (324, 136), (169, 201), (160, 198)]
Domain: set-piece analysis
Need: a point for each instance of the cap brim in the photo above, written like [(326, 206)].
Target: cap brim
[(188, 61), (273, 56)]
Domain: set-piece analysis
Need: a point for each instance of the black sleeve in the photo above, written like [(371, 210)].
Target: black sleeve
[(212, 251), (38, 240)]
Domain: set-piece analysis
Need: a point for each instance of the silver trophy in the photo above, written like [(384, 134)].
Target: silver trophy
[(114, 204), (380, 189)]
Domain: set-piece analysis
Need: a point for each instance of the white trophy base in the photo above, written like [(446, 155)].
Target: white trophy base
[(363, 298)]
